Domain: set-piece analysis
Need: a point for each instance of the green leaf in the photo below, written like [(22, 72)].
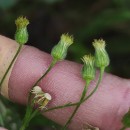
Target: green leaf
[(9, 118), (1, 121), (126, 119)]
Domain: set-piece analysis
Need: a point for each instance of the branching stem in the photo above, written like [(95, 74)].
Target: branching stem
[(30, 113), (77, 107), (73, 104)]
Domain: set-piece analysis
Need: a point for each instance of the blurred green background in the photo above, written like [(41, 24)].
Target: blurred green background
[(85, 19)]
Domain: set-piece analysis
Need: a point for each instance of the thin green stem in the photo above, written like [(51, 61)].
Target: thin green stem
[(123, 128), (63, 106), (29, 111), (95, 89), (1, 121), (48, 70), (14, 58), (25, 122), (73, 104), (34, 114), (23, 127), (28, 119), (77, 107)]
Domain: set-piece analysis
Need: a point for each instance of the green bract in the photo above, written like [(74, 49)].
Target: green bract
[(88, 71), (21, 35), (101, 56), (59, 51)]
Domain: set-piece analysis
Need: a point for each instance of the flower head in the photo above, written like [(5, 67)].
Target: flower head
[(99, 44), (59, 51), (21, 22), (88, 71), (88, 60), (101, 55), (21, 35), (66, 39), (40, 98), (36, 90)]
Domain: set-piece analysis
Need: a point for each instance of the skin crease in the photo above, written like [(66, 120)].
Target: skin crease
[(105, 108)]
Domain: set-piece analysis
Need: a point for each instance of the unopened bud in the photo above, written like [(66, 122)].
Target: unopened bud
[(88, 71), (59, 51), (21, 35), (101, 55)]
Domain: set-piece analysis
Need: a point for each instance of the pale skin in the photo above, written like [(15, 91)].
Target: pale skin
[(65, 84)]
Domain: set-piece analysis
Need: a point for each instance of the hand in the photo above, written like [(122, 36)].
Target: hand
[(2, 128), (104, 109)]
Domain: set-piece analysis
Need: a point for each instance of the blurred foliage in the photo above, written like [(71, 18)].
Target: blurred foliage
[(9, 118), (85, 19), (6, 4), (126, 120)]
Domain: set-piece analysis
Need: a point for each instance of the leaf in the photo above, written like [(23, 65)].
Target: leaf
[(126, 119), (9, 118)]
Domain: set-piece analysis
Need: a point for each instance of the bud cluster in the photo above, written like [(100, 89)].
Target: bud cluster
[(100, 60), (59, 53), (40, 98)]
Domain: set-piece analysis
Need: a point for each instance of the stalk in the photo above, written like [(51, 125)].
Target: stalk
[(73, 104), (99, 81), (77, 107), (29, 111), (9, 67)]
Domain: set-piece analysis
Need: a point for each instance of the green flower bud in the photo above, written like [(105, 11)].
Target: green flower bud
[(88, 70), (21, 35), (59, 51), (101, 56)]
